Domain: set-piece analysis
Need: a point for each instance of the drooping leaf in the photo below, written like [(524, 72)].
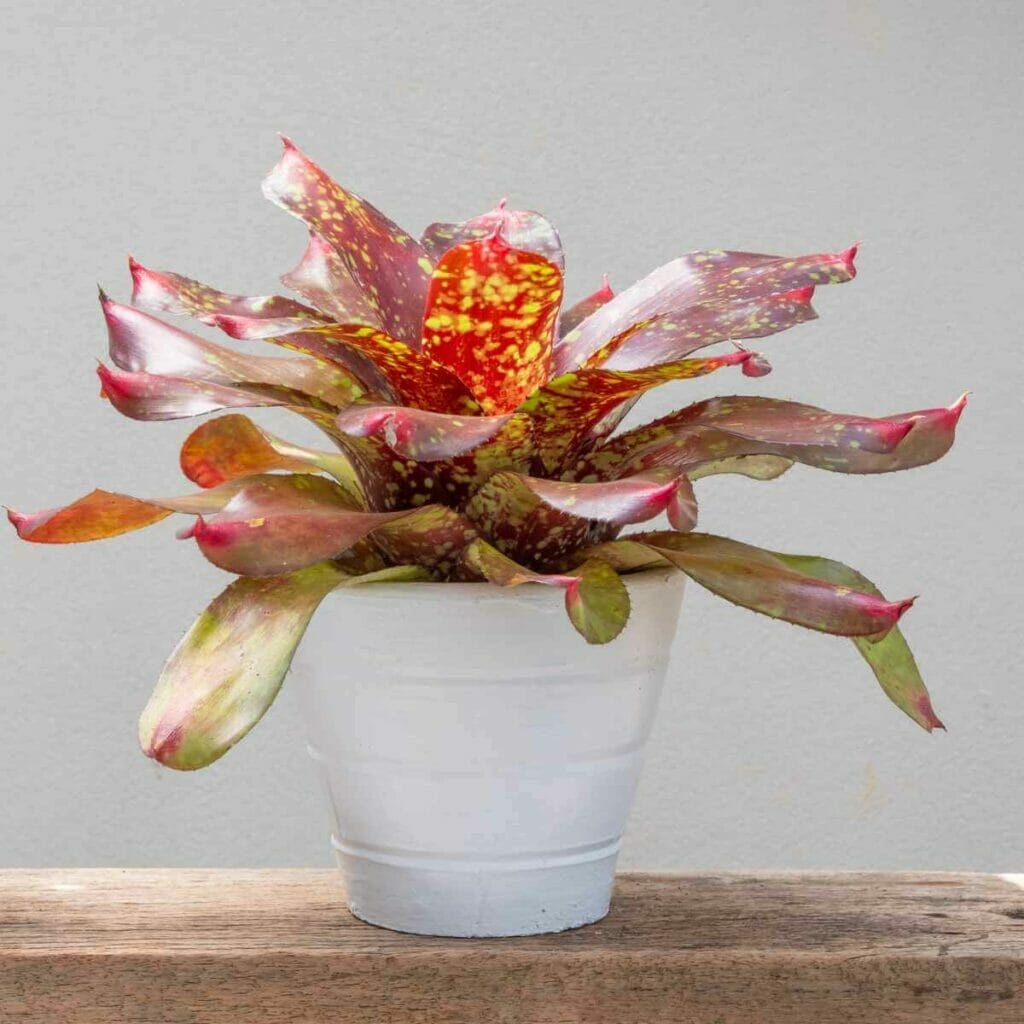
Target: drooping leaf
[(165, 292), (490, 318), (569, 409), (102, 514), (763, 582), (522, 229), (413, 378), (596, 599), (597, 602), (419, 435), (278, 524), (228, 668), (890, 657), (390, 266), (233, 446), (712, 277), (322, 278), (572, 317), (673, 336), (140, 343)]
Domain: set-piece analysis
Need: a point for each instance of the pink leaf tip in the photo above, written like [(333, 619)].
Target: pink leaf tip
[(903, 606), (755, 365), (605, 291), (802, 295), (848, 256), (958, 406), (16, 519), (188, 532)]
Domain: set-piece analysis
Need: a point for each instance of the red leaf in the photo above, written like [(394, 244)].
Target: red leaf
[(141, 343), (490, 319), (164, 292), (277, 524), (575, 314), (712, 278), (414, 378), (419, 435), (391, 267), (146, 396), (322, 278)]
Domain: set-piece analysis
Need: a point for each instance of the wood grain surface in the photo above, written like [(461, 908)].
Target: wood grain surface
[(279, 947)]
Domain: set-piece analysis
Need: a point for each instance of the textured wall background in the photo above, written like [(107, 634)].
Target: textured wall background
[(644, 130)]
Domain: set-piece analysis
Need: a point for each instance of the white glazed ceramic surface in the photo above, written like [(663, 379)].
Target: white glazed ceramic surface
[(480, 758)]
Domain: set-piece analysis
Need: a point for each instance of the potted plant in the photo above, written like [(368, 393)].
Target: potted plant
[(480, 758)]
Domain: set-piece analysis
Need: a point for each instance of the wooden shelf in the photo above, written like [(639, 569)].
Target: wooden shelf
[(278, 947)]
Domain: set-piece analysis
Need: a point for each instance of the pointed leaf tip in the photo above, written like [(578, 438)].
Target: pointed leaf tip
[(848, 256)]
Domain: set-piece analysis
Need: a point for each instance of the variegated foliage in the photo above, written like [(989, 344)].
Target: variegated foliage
[(469, 422)]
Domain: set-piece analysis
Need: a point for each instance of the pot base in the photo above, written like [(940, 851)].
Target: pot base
[(477, 899)]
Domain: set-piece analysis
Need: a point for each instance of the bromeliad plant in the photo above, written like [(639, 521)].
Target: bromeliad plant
[(470, 420)]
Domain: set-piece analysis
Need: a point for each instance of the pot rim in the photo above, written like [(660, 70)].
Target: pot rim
[(460, 591)]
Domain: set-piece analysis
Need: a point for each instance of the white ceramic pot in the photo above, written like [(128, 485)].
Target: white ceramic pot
[(479, 757)]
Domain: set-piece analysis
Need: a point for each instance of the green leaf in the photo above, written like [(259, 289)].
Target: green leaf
[(890, 657), (597, 602), (229, 666)]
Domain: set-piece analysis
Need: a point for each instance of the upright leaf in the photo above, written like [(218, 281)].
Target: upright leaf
[(322, 278), (575, 314), (391, 267), (490, 319)]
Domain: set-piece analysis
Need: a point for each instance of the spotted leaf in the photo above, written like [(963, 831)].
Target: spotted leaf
[(632, 499), (147, 396), (490, 319), (596, 599), (419, 435), (673, 336), (432, 537), (390, 267), (709, 278), (322, 278), (764, 582), (575, 314), (700, 435), (164, 292), (572, 407), (517, 522), (413, 378), (140, 343), (278, 524)]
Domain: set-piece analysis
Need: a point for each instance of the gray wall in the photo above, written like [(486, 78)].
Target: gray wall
[(644, 130)]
